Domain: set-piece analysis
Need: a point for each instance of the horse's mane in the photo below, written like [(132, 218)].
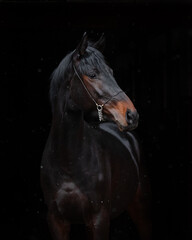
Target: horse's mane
[(92, 58), (60, 76)]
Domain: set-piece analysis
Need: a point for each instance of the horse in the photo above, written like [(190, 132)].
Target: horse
[(91, 170)]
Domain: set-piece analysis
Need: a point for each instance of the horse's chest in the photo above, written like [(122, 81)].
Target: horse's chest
[(75, 204), (70, 200)]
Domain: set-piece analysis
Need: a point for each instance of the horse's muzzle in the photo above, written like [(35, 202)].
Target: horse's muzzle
[(132, 118)]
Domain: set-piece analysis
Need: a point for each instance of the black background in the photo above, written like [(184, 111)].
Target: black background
[(149, 46)]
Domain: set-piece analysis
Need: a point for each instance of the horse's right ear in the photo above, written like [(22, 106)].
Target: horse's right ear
[(100, 44), (81, 48)]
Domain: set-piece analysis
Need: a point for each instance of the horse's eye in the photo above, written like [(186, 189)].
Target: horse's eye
[(92, 75)]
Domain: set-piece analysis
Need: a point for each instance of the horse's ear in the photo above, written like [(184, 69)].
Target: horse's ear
[(100, 44), (81, 48)]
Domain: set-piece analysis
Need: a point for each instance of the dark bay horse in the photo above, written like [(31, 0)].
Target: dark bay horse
[(91, 169)]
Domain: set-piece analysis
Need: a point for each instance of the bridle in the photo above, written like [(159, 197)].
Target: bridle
[(98, 106)]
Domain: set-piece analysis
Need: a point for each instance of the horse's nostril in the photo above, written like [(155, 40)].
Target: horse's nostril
[(129, 117), (132, 117)]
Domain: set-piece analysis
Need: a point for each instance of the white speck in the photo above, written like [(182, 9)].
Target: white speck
[(100, 177), (41, 166)]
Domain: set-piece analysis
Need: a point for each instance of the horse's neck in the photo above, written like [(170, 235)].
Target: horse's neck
[(69, 124), (67, 131), (66, 144)]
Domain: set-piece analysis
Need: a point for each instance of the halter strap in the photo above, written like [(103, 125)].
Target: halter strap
[(84, 85), (99, 106)]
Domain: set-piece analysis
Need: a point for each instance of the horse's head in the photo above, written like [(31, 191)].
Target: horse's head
[(93, 88), (100, 90)]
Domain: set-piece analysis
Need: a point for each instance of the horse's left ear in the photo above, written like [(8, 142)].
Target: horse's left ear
[(100, 44), (81, 48)]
